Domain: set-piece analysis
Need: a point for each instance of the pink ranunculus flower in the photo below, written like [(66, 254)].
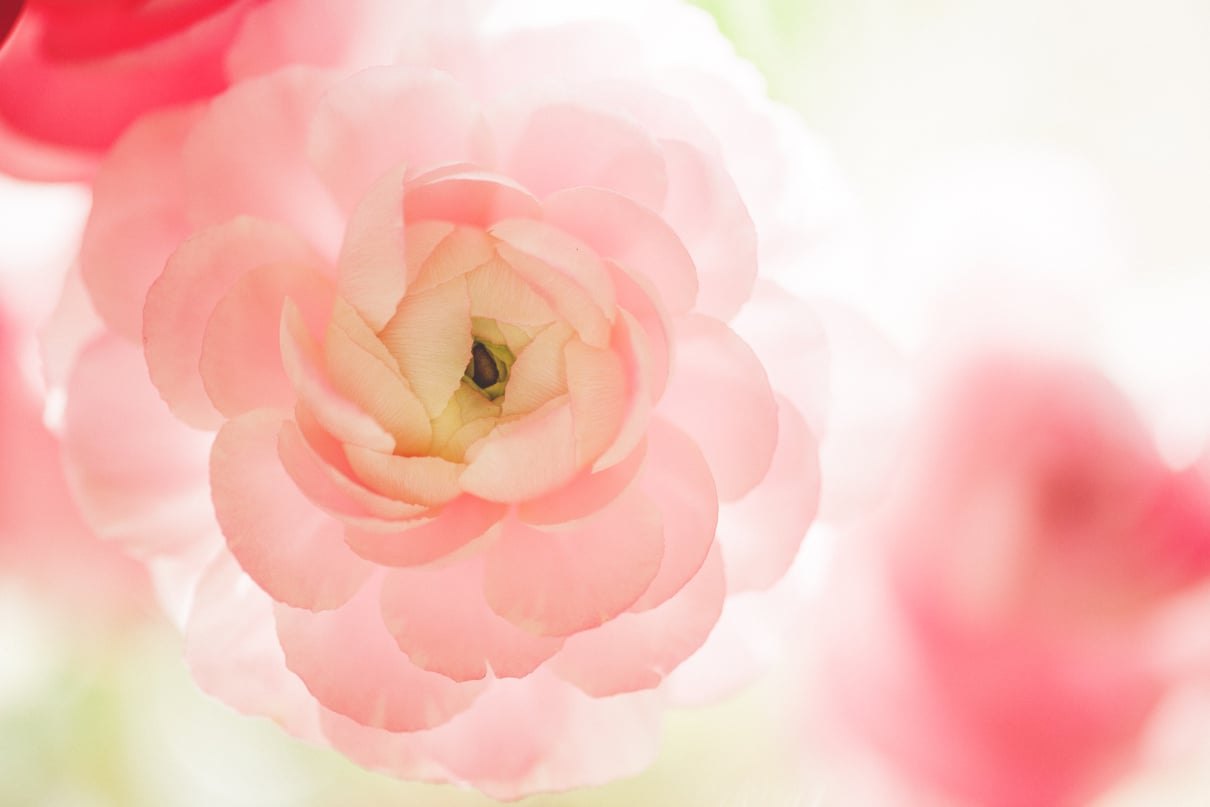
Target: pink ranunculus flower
[(459, 445), (1004, 637), (74, 74)]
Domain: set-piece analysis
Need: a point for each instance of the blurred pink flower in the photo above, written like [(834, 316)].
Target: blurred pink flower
[(74, 75), (446, 353), (44, 543), (1002, 637)]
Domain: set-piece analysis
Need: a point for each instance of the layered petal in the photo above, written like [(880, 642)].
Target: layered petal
[(440, 618), (291, 548), (720, 395), (351, 665), (558, 582)]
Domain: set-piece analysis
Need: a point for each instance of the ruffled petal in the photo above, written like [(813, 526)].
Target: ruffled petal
[(429, 481), (384, 116), (719, 394), (467, 195), (454, 527), (138, 473), (586, 494), (352, 666), (181, 302), (241, 362), (634, 236), (132, 229), (291, 548), (554, 583), (705, 209), (269, 176), (340, 418), (761, 533), (363, 371), (676, 475), (373, 257), (524, 458), (430, 336), (233, 652), (539, 375), (328, 487), (610, 151), (597, 391), (636, 650), (439, 617)]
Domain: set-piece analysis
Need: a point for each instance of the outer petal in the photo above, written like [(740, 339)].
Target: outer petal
[(132, 229), (523, 736), (720, 395), (705, 209), (676, 475), (181, 301), (557, 583), (467, 195), (146, 490), (241, 363), (291, 548), (636, 651), (761, 533), (352, 666), (233, 652), (429, 481), (421, 541), (609, 151), (384, 116), (269, 175), (632, 235), (586, 494), (373, 256), (438, 616)]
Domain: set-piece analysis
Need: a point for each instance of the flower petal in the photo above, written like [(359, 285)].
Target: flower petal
[(291, 548), (636, 650), (610, 151), (241, 363), (676, 475), (705, 209), (364, 372), (524, 458), (420, 541), (438, 616), (429, 481), (180, 303), (560, 582), (132, 229), (328, 487), (340, 418), (373, 257), (233, 652), (369, 122), (352, 666), (634, 236), (431, 338), (761, 533), (719, 394), (467, 195), (147, 490), (269, 175)]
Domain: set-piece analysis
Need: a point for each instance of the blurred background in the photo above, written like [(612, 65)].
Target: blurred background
[(995, 146)]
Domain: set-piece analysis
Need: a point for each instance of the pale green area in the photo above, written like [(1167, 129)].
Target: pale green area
[(770, 34), (115, 721)]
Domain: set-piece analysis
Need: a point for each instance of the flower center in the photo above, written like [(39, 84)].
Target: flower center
[(487, 370)]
